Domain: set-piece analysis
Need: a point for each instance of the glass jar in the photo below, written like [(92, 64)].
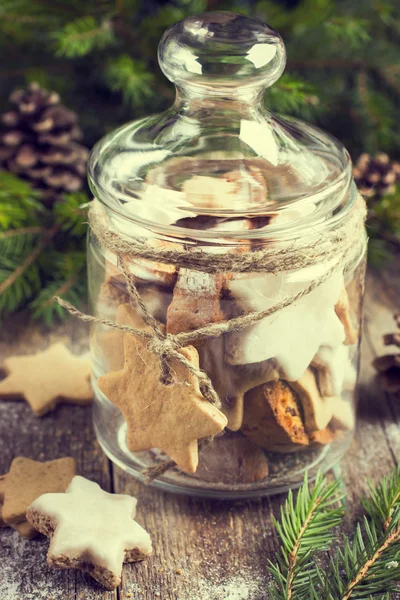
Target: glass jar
[(240, 214)]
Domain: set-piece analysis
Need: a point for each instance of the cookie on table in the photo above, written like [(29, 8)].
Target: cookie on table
[(47, 378), (27, 480), (90, 530)]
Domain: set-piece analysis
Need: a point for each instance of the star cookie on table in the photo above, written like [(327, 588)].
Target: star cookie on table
[(90, 530), (171, 417), (47, 378), (27, 480), (24, 528)]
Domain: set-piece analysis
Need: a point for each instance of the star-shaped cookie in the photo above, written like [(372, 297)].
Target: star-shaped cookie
[(91, 530), (24, 528), (27, 480), (172, 417), (47, 379)]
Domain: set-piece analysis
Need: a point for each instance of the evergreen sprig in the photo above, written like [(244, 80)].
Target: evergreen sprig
[(342, 69), (82, 36), (306, 526), (364, 566), (131, 78), (42, 250)]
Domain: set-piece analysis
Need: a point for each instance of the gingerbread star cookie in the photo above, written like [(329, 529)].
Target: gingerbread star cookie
[(90, 530), (25, 529), (26, 481), (47, 379), (171, 417)]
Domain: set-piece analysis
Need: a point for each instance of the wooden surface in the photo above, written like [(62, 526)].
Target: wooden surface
[(203, 550)]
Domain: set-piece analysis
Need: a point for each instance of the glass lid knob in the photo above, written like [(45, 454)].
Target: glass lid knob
[(221, 51)]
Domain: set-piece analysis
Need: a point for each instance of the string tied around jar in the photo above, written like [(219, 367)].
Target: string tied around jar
[(338, 246)]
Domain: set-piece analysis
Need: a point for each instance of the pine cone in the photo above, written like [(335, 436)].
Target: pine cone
[(39, 142), (388, 366), (377, 175)]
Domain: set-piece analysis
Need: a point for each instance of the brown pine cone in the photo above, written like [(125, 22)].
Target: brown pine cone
[(376, 175), (39, 142), (388, 366)]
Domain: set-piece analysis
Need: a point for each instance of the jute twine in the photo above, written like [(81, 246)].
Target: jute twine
[(338, 246)]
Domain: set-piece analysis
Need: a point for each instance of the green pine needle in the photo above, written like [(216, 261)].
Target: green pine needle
[(73, 290), (42, 252), (306, 526), (365, 566), (349, 30), (82, 36), (19, 203), (131, 78), (23, 288), (71, 214)]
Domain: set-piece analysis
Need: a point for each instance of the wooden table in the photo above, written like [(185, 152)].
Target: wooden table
[(203, 550)]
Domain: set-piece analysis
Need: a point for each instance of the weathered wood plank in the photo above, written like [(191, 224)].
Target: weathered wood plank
[(204, 550), (65, 432)]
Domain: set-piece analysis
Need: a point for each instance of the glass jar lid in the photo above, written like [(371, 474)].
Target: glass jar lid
[(218, 159)]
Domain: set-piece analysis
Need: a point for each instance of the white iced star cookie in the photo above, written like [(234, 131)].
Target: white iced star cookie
[(90, 530)]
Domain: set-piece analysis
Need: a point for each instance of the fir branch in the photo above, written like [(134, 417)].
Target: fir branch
[(368, 565), (73, 290), (29, 260), (71, 214), (82, 36), (291, 95), (383, 500), (19, 204), (131, 78), (347, 29), (22, 231), (22, 288), (305, 526), (364, 570)]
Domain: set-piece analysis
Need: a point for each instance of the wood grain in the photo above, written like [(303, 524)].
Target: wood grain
[(203, 550)]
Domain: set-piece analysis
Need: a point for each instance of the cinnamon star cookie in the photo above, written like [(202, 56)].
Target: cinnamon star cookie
[(171, 417), (90, 530), (47, 378)]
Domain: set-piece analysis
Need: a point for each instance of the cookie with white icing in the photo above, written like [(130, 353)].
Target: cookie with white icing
[(90, 530)]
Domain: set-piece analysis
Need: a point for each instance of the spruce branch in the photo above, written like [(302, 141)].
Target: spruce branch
[(29, 259), (71, 214), (369, 564), (131, 78), (383, 500), (82, 36), (22, 231), (73, 290), (306, 526), (364, 566), (43, 251)]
